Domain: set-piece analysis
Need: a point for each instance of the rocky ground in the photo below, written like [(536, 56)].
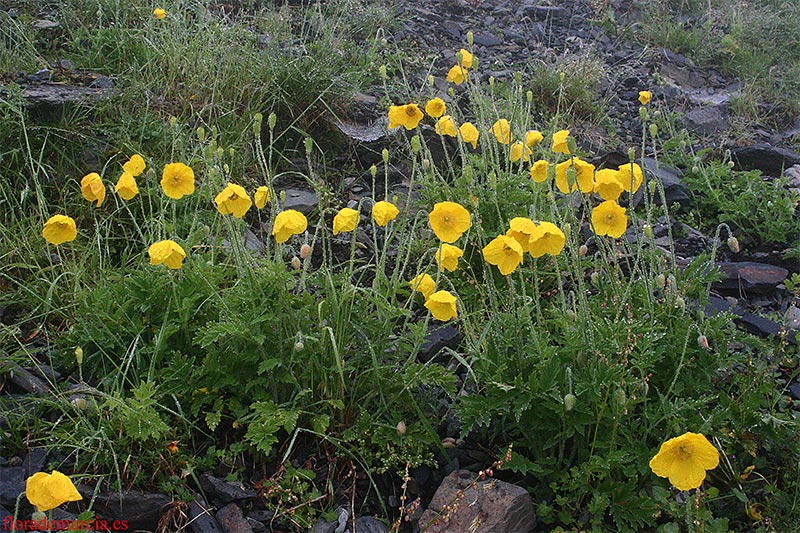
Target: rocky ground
[(507, 35)]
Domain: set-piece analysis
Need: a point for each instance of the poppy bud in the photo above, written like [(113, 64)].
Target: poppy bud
[(309, 144), (426, 164), (231, 152), (583, 250), (620, 398), (529, 96), (401, 428), (226, 168), (373, 170), (283, 196), (305, 251), (382, 70), (569, 401), (653, 130), (661, 281), (518, 77), (201, 134), (258, 118), (298, 346), (643, 113), (470, 38), (296, 264), (173, 121), (416, 144), (79, 403), (385, 155), (631, 154), (702, 340), (431, 80), (695, 169), (272, 120), (79, 355), (491, 81), (733, 244), (595, 279), (680, 303), (731, 164)]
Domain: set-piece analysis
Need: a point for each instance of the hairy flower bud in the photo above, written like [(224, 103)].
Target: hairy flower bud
[(272, 120), (620, 398), (647, 229), (702, 340), (470, 38), (305, 251), (201, 133), (529, 96), (733, 244), (298, 346), (661, 281), (653, 130), (79, 355), (382, 70), (632, 154), (416, 144), (373, 170), (385, 155), (569, 401), (296, 264), (583, 250), (643, 114), (401, 428)]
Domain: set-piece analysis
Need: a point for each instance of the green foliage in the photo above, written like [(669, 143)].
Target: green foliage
[(759, 210)]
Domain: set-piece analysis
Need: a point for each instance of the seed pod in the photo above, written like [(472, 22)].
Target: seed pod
[(569, 401), (583, 250), (620, 398), (401, 428), (305, 251)]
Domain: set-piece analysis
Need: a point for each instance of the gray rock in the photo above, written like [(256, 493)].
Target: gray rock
[(750, 276), (300, 199), (675, 191), (225, 491), (765, 157), (753, 323), (142, 510), (368, 524), (792, 317), (487, 39), (232, 519), (490, 506), (705, 120), (323, 526), (201, 519), (44, 24), (12, 484), (438, 338)]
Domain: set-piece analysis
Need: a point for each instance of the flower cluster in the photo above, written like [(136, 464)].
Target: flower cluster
[(524, 235)]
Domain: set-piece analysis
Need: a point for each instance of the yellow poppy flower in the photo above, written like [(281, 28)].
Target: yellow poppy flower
[(644, 97), (48, 491), (233, 200), (135, 165), (345, 220), (457, 75), (423, 284), (685, 460), (168, 253), (177, 180), (159, 13), (442, 305), (608, 184), (626, 171), (469, 133), (584, 176), (261, 196), (539, 171), (533, 137), (560, 142), (449, 220), (446, 126), (408, 116), (504, 252), (126, 186), (384, 212), (464, 58), (288, 223), (609, 218), (521, 230), (92, 188), (547, 238), (502, 131), (435, 107), (519, 151), (447, 257), (59, 229)]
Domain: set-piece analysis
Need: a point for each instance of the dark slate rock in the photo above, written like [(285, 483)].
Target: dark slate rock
[(201, 519), (12, 484), (675, 190), (34, 462), (438, 338), (232, 519), (225, 491), (301, 200), (751, 277), (765, 157), (487, 39), (323, 526), (453, 28), (102, 82), (706, 120), (142, 510), (368, 524), (749, 321), (794, 390)]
